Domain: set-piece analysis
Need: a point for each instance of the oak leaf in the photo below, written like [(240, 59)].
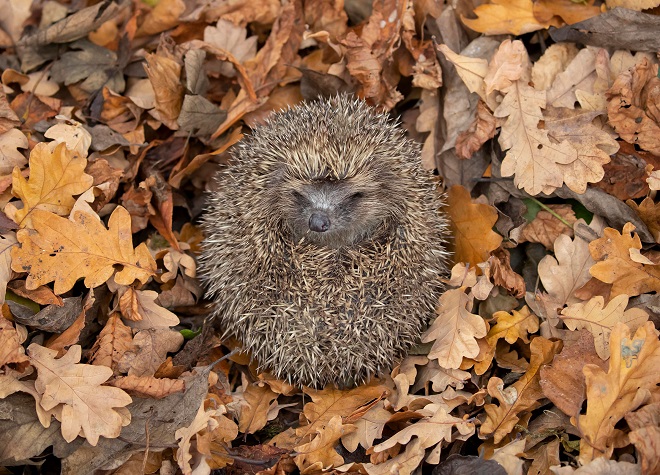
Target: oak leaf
[(455, 330), (55, 177), (331, 402), (531, 156), (632, 109), (616, 266), (255, 404), (649, 211), (593, 145), (201, 426), (63, 250), (645, 434), (87, 408), (564, 273), (7, 243), (112, 342), (402, 463), (600, 321), (562, 381), (10, 157), (368, 428), (503, 17), (11, 348), (139, 307), (430, 430), (626, 385), (471, 224), (471, 70), (522, 396), (320, 453), (546, 227)]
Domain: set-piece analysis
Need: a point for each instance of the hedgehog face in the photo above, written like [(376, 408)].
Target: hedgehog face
[(333, 213)]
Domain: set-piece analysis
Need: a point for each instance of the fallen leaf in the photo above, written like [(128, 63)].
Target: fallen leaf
[(623, 388), (10, 157), (112, 342), (55, 178), (632, 97), (522, 396), (616, 267), (454, 331), (567, 10), (645, 434), (562, 381), (503, 17), (142, 312), (481, 130), (320, 452), (471, 225), (11, 348), (600, 321), (545, 228), (649, 211), (60, 250), (164, 71), (87, 408), (256, 401)]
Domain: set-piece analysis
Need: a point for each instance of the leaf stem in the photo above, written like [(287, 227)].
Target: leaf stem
[(552, 212)]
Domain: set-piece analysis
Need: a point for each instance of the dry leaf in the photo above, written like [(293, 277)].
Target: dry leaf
[(10, 157), (522, 396), (203, 423), (64, 251), (545, 228), (111, 344), (11, 349), (87, 408), (531, 156), (600, 321), (256, 402), (142, 312), (164, 70), (471, 224), (454, 331), (616, 266), (55, 177), (503, 17), (562, 381), (634, 97), (623, 388), (649, 211), (645, 434), (320, 453), (565, 273)]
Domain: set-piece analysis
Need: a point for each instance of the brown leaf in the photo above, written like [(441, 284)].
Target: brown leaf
[(562, 381), (503, 17), (454, 331), (320, 453), (55, 177), (616, 266), (481, 130), (503, 275), (148, 351), (622, 389), (545, 228), (63, 251), (471, 225), (634, 102), (649, 211), (600, 321), (163, 16), (86, 406), (254, 410), (11, 348), (149, 386), (164, 71), (645, 434), (522, 396), (141, 310), (111, 343), (567, 10)]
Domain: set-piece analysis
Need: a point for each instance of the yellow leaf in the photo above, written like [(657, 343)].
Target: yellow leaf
[(630, 379), (522, 396), (600, 321), (514, 325), (64, 251), (502, 17), (616, 266), (455, 330), (76, 388), (54, 179), (471, 224)]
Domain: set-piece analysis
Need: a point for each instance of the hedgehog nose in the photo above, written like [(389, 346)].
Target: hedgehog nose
[(319, 222)]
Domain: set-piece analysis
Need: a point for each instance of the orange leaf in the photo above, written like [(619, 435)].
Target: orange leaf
[(471, 224)]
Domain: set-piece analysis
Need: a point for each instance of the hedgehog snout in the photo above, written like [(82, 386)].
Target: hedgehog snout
[(319, 222)]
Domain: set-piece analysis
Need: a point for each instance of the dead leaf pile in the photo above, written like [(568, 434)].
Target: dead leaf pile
[(541, 117)]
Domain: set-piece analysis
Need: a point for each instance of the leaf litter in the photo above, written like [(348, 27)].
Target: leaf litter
[(541, 117)]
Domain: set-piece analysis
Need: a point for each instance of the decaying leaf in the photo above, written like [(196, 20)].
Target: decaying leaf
[(623, 388), (84, 406), (472, 226), (63, 251), (55, 178)]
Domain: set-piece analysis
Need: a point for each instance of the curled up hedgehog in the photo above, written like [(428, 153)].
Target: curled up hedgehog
[(324, 244)]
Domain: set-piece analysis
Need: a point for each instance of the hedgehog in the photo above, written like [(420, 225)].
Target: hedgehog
[(325, 244)]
